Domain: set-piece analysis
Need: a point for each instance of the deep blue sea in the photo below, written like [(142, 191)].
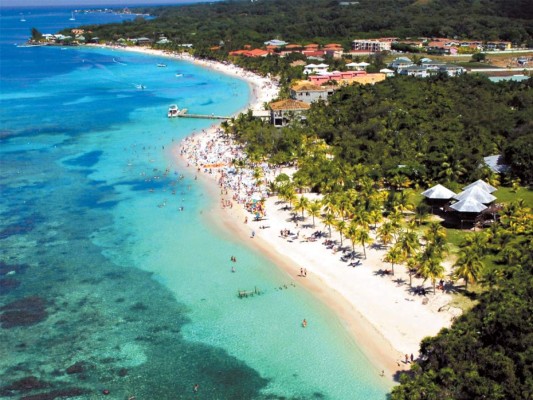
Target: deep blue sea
[(105, 285)]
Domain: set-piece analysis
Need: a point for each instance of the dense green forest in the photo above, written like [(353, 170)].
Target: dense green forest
[(235, 23), (422, 131)]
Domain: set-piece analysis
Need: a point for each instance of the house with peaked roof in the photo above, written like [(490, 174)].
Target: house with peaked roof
[(315, 68), (414, 70), (452, 70), (284, 111), (309, 92), (401, 62)]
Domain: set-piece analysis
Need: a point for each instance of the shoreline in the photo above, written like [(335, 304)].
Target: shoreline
[(385, 321), (361, 300)]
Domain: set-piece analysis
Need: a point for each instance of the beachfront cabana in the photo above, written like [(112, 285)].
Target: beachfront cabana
[(476, 193), (483, 185), (437, 197), (467, 210), (469, 205), (438, 192)]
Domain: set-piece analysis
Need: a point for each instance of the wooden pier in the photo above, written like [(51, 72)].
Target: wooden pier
[(248, 293), (183, 114)]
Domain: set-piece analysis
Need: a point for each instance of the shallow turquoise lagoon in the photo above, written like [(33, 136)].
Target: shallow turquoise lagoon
[(106, 284)]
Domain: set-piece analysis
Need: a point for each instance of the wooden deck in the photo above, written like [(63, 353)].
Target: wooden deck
[(184, 114)]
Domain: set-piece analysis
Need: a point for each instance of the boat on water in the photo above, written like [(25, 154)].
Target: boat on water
[(173, 111), (161, 65), (179, 75), (72, 17)]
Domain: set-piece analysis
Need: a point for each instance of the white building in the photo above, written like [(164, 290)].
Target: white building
[(370, 45)]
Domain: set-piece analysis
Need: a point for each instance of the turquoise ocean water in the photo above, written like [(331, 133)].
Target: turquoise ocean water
[(105, 283)]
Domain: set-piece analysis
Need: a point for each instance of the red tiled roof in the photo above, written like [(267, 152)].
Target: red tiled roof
[(249, 53)]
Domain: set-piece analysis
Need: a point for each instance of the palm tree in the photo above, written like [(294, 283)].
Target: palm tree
[(430, 266), (329, 219), (386, 233), (363, 237), (258, 175), (408, 243), (375, 217), (289, 194), (436, 236), (341, 227), (313, 209), (421, 212), (477, 242), (302, 204), (468, 266), (330, 204), (394, 256), (352, 233)]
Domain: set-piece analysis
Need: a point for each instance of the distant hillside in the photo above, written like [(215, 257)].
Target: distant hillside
[(243, 22)]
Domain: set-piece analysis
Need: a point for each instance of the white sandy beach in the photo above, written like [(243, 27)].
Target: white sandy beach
[(386, 319)]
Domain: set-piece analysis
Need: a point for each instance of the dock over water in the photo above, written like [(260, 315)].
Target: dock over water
[(184, 114)]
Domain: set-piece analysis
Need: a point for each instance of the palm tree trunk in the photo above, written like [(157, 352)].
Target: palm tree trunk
[(364, 249)]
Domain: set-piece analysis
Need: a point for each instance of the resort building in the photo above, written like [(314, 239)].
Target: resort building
[(310, 92), (371, 45), (357, 66), (250, 53), (401, 62), (452, 70), (284, 111), (315, 68), (414, 70)]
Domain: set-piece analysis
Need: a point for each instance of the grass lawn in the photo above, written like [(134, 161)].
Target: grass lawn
[(506, 195)]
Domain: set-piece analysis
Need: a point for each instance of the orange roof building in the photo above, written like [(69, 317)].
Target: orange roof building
[(283, 111)]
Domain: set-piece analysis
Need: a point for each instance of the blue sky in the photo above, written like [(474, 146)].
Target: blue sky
[(88, 3)]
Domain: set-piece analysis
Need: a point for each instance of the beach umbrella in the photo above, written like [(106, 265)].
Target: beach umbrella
[(438, 192), (256, 196), (481, 184), (476, 193), (469, 206)]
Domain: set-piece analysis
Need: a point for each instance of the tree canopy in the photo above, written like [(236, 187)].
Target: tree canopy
[(236, 23)]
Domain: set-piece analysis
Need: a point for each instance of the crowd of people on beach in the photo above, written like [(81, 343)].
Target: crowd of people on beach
[(217, 156)]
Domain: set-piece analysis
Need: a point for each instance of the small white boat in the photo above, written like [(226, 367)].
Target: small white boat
[(173, 111), (179, 75), (161, 65), (72, 17)]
